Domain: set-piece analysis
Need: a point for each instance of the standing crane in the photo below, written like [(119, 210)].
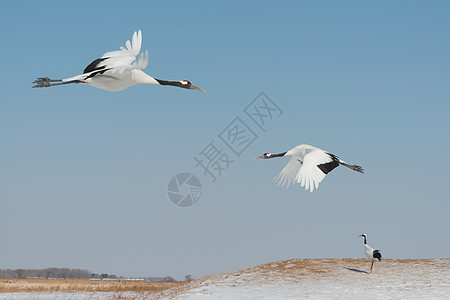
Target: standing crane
[(370, 252), (307, 166), (117, 71)]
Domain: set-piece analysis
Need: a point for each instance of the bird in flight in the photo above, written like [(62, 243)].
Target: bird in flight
[(117, 71), (307, 166), (370, 252)]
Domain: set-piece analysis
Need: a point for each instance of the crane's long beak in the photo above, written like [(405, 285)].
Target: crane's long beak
[(197, 88), (259, 157)]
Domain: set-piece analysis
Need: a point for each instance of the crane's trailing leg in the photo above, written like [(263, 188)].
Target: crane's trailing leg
[(353, 167), (371, 266), (47, 82), (44, 82)]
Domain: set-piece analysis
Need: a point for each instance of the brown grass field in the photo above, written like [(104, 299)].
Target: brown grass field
[(33, 285)]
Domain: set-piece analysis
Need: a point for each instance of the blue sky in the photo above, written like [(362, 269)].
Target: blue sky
[(84, 172)]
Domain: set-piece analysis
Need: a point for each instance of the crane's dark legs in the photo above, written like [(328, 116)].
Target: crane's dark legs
[(371, 266), (353, 167), (47, 82)]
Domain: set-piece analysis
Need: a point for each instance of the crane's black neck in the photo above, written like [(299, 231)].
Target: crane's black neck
[(172, 83), (277, 155), (365, 241)]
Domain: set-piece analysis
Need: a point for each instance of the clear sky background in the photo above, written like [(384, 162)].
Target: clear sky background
[(84, 172)]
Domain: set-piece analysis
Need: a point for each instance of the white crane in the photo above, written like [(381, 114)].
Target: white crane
[(117, 71), (370, 252), (308, 166)]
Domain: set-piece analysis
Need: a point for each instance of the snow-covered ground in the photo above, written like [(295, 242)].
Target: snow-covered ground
[(303, 279), (328, 279)]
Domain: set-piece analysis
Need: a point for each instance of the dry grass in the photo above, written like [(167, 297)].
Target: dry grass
[(298, 269), (390, 275), (293, 270), (83, 285)]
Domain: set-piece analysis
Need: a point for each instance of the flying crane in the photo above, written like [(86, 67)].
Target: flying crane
[(117, 71), (307, 166)]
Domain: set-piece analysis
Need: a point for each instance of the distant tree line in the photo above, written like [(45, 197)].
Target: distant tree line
[(45, 273), (65, 273), (104, 275)]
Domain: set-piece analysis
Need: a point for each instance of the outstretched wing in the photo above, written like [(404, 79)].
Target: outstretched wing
[(120, 60), (114, 63), (287, 176), (131, 50), (316, 164)]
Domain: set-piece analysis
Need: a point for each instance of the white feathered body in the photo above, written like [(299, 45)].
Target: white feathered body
[(369, 251), (120, 82)]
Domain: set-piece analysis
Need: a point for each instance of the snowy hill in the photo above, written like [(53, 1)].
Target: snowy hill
[(299, 279), (326, 279)]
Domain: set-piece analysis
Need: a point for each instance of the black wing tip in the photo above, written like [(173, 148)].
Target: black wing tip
[(328, 167), (377, 254), (93, 65)]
